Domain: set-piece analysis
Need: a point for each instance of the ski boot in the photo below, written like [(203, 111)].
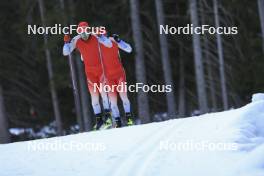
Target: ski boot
[(118, 123), (108, 120), (98, 122), (129, 119)]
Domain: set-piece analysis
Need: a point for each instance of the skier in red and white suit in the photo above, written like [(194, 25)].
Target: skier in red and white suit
[(115, 75), (88, 46)]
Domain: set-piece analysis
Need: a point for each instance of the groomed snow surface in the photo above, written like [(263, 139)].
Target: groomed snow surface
[(228, 143)]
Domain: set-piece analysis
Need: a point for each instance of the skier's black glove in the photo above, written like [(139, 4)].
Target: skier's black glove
[(116, 37)]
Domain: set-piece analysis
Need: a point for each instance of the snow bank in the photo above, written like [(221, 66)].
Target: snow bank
[(251, 127), (151, 150), (258, 97)]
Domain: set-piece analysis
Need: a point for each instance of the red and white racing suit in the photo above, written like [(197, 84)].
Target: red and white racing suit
[(115, 74), (89, 50)]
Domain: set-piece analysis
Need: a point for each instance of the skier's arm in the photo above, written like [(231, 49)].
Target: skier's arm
[(122, 44), (104, 40), (69, 46)]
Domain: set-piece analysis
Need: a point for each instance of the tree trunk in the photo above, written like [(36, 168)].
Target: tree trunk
[(165, 61), (221, 58), (261, 17), (182, 103), (142, 99), (54, 96), (4, 133), (199, 71), (86, 110), (208, 63), (211, 81)]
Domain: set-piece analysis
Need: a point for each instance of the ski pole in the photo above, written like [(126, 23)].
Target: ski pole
[(75, 93), (103, 69)]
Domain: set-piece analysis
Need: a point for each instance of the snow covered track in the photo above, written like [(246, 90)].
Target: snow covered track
[(146, 150), (136, 150)]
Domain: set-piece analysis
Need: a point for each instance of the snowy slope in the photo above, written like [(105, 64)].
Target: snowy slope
[(142, 150)]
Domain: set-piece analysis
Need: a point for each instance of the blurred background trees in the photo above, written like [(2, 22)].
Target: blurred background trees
[(208, 73)]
